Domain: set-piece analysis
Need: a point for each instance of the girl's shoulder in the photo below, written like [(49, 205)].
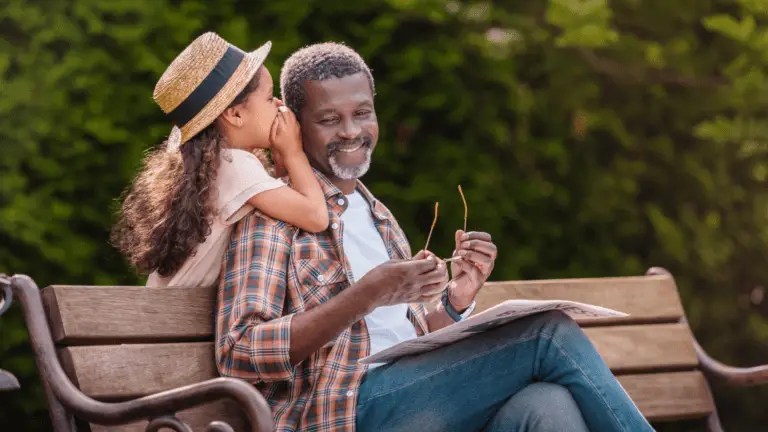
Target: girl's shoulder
[(256, 160)]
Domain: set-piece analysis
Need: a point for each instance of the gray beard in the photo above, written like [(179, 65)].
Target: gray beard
[(351, 173)]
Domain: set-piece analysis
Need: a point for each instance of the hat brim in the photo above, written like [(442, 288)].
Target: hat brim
[(244, 73)]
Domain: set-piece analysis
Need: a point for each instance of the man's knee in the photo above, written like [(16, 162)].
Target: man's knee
[(554, 319), (541, 399), (541, 407), (558, 317)]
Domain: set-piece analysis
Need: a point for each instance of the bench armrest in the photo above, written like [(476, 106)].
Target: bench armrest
[(8, 382), (160, 407), (731, 375)]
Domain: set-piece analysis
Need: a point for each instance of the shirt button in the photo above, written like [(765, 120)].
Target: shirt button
[(350, 393), (321, 278), (334, 226), (341, 201)]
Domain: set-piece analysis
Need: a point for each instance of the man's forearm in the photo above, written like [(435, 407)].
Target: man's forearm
[(312, 329), (439, 318)]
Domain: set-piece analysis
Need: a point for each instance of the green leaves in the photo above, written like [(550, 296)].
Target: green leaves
[(728, 26), (585, 23)]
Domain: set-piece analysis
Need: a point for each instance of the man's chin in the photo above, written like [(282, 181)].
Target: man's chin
[(348, 171)]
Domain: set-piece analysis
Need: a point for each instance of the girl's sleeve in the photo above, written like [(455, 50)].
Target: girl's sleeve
[(240, 176)]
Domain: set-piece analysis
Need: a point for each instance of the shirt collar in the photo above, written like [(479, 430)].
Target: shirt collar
[(333, 193)]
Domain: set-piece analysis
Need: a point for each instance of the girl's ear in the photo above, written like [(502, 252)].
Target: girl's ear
[(232, 116)]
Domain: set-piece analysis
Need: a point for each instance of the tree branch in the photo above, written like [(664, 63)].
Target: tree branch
[(638, 73)]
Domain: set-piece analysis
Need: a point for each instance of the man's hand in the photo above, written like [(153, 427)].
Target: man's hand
[(404, 281), (478, 255)]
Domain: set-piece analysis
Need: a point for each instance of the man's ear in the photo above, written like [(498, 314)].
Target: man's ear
[(232, 116)]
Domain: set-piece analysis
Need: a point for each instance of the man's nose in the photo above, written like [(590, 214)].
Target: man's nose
[(349, 130)]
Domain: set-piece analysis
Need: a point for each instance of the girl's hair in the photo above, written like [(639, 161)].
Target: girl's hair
[(169, 208)]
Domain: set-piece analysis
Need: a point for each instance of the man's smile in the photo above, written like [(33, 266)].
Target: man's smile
[(351, 149)]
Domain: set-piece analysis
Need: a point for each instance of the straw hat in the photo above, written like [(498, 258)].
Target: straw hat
[(202, 81)]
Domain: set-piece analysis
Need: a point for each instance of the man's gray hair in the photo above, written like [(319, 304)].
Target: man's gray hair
[(318, 62)]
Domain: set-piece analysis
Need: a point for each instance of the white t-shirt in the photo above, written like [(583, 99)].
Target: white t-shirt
[(365, 249), (240, 177)]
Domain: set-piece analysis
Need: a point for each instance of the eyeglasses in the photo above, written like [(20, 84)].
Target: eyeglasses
[(434, 221)]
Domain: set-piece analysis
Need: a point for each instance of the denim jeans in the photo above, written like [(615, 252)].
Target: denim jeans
[(473, 384)]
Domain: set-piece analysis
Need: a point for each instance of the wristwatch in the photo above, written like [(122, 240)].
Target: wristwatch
[(453, 313)]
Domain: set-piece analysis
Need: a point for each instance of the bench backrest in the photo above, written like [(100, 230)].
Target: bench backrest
[(123, 342)]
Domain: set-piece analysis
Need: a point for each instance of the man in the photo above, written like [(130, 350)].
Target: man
[(296, 310)]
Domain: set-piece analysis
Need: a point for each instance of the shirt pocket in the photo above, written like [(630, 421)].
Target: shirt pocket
[(319, 279)]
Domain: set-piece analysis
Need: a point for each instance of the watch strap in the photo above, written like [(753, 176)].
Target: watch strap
[(452, 312)]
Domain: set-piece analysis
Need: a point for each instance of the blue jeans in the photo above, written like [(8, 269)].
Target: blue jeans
[(474, 384)]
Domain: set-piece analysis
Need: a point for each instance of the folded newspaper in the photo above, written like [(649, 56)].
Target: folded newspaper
[(498, 315)]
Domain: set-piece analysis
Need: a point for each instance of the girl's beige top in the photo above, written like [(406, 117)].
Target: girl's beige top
[(240, 177)]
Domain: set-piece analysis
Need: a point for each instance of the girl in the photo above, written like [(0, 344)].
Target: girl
[(176, 218)]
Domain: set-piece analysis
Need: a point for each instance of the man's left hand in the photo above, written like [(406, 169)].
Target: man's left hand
[(478, 256)]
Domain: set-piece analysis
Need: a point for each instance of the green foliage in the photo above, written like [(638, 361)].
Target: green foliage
[(591, 138)]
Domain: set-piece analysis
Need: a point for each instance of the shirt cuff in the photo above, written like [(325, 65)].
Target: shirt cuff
[(270, 350)]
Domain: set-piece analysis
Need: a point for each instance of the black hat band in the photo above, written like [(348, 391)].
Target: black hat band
[(209, 88)]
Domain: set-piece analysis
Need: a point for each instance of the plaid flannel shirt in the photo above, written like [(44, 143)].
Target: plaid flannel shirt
[(271, 272)]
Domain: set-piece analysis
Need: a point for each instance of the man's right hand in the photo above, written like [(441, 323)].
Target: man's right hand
[(404, 281)]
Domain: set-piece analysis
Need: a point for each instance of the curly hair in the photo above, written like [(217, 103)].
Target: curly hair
[(168, 210), (318, 62)]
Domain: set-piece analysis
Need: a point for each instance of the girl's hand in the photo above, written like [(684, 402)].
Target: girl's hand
[(280, 170), (285, 135)]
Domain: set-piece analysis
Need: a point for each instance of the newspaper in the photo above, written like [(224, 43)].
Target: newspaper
[(498, 315)]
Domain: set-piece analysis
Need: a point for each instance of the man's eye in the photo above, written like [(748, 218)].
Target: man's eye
[(362, 113), (328, 120)]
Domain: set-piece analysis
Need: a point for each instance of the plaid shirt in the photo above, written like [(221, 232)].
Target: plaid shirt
[(273, 271)]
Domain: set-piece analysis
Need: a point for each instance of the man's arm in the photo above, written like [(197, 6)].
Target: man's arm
[(439, 318), (252, 335), (255, 340)]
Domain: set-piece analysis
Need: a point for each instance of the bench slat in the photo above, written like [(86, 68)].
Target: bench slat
[(660, 397), (83, 314), (648, 299), (643, 348), (670, 396), (127, 371), (117, 371)]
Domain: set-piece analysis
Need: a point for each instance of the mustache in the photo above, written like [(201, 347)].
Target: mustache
[(334, 146)]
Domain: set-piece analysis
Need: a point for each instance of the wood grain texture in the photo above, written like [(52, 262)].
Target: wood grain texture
[(660, 397), (197, 418), (647, 299), (84, 314), (669, 396), (123, 371), (645, 348), (119, 371)]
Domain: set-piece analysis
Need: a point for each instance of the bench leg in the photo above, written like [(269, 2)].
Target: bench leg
[(61, 419)]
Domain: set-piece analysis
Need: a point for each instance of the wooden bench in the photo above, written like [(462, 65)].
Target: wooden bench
[(122, 343)]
